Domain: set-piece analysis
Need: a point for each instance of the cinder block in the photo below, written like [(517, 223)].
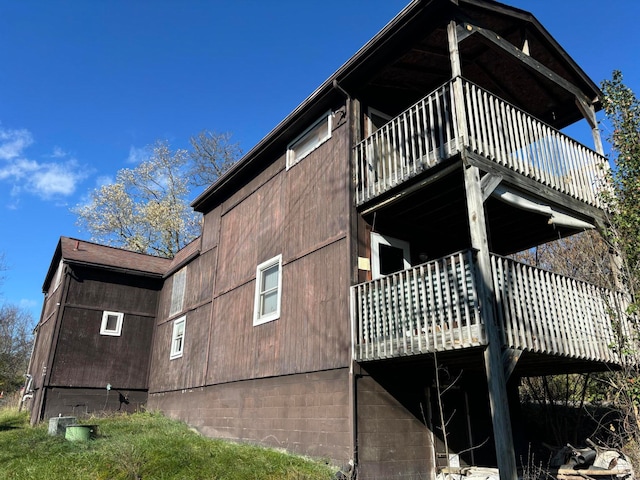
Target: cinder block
[(58, 425)]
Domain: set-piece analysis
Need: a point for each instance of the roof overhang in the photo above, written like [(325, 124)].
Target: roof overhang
[(409, 58)]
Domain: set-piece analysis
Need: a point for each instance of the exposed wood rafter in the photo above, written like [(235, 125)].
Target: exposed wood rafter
[(495, 40)]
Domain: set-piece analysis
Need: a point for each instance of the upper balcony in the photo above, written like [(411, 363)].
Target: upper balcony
[(430, 132), (434, 307)]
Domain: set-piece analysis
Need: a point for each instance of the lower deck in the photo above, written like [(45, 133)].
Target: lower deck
[(435, 307)]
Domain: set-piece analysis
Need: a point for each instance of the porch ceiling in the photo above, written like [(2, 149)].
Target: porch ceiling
[(434, 218), (420, 63)]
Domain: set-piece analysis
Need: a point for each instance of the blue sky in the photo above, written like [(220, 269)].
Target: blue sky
[(84, 85)]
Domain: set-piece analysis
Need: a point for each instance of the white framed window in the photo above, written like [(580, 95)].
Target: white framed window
[(177, 291), (388, 255), (309, 140), (376, 119), (268, 291), (177, 337), (111, 323)]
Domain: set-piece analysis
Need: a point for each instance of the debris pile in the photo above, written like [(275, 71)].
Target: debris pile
[(593, 461)]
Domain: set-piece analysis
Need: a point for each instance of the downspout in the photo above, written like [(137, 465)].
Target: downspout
[(352, 226)]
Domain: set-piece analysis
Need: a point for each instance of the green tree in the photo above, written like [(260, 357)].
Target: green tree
[(623, 113), (147, 208)]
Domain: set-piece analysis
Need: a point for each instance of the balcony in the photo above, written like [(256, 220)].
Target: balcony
[(429, 133), (434, 307)]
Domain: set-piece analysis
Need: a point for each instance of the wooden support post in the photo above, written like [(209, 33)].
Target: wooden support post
[(454, 53), (499, 403), (589, 113), (458, 93)]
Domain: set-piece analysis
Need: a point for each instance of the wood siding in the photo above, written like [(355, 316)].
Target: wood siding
[(123, 360), (98, 289), (283, 212)]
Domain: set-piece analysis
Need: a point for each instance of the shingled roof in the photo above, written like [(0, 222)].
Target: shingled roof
[(81, 252)]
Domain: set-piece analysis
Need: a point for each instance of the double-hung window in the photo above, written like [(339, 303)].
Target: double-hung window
[(111, 323), (177, 338), (314, 136), (177, 291), (268, 291)]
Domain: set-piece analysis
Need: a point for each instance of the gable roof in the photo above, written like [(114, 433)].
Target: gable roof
[(379, 61), (81, 252)]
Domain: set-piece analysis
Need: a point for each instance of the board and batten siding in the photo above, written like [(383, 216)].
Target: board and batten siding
[(302, 214), (123, 361), (186, 371), (97, 289)]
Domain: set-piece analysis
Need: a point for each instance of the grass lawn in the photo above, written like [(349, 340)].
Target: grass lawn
[(140, 446)]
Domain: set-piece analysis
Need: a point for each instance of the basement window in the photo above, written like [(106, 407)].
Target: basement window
[(268, 291), (314, 136), (111, 323), (177, 338)]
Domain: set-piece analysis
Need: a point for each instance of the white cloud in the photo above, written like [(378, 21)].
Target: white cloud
[(103, 180), (55, 179), (47, 180), (137, 155), (58, 153), (13, 142)]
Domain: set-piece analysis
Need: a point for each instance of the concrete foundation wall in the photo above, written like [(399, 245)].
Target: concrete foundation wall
[(80, 402), (306, 414)]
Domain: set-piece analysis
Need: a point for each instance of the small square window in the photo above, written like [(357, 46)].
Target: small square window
[(177, 338), (268, 291), (309, 140), (111, 323)]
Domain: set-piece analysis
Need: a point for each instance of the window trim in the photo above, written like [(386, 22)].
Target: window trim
[(174, 352), (378, 239), (291, 157), (105, 319), (260, 269), (176, 304)]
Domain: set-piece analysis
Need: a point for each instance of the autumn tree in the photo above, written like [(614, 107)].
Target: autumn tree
[(15, 346), (15, 342), (146, 209)]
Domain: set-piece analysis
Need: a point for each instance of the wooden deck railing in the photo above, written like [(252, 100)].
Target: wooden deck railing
[(427, 133), (434, 307), (544, 312), (424, 309)]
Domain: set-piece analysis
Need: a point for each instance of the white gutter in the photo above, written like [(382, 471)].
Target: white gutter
[(524, 202)]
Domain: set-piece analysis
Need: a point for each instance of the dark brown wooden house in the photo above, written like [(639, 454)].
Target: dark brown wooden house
[(93, 339), (361, 245)]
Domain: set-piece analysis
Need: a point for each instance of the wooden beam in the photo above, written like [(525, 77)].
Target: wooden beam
[(488, 184), (589, 113), (510, 358), (500, 43), (411, 189), (537, 189), (500, 415)]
